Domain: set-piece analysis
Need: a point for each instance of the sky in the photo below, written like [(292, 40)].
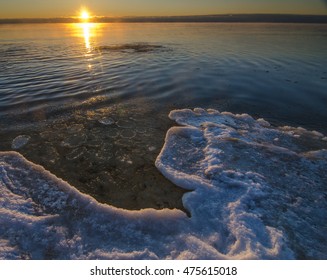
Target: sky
[(66, 8)]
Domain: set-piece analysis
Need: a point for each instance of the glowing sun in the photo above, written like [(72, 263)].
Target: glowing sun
[(85, 16)]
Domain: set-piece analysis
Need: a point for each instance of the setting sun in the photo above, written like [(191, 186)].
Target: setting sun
[(85, 15)]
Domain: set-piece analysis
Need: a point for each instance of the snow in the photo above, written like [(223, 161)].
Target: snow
[(260, 186), (257, 193)]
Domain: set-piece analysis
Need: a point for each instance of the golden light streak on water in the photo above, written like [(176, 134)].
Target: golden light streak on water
[(87, 29)]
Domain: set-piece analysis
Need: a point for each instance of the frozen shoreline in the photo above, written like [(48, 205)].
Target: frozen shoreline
[(238, 208)]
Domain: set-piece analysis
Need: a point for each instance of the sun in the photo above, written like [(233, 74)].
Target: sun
[(85, 15)]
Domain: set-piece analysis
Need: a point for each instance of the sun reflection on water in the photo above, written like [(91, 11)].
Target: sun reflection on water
[(87, 34), (87, 31)]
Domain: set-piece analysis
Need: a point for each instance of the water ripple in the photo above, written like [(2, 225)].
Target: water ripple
[(253, 70)]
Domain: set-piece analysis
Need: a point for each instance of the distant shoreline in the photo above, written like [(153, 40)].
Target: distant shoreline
[(246, 18)]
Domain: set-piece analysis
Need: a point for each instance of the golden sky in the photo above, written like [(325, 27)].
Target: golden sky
[(64, 8)]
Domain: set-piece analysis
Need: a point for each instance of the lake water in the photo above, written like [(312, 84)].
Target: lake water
[(276, 71), (90, 103)]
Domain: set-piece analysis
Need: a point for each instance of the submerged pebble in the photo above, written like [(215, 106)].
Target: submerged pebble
[(20, 141)]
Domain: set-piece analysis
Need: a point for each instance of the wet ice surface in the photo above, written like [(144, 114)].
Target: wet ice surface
[(258, 192)]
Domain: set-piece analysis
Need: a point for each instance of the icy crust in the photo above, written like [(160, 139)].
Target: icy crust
[(258, 191), (43, 217)]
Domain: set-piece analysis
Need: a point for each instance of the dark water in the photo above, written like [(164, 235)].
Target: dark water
[(277, 71), (94, 98)]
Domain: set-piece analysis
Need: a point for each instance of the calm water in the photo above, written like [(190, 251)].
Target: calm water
[(90, 103), (94, 98), (276, 71)]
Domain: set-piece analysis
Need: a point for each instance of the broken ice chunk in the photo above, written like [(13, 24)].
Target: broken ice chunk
[(106, 121), (20, 141)]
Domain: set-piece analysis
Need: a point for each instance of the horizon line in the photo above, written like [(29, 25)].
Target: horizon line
[(227, 17)]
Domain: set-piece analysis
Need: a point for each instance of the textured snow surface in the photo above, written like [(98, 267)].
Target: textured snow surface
[(257, 193), (261, 190)]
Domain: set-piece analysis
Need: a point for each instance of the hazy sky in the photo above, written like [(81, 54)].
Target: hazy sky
[(59, 8)]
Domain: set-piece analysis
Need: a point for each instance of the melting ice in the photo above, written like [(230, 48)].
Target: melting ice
[(257, 192)]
